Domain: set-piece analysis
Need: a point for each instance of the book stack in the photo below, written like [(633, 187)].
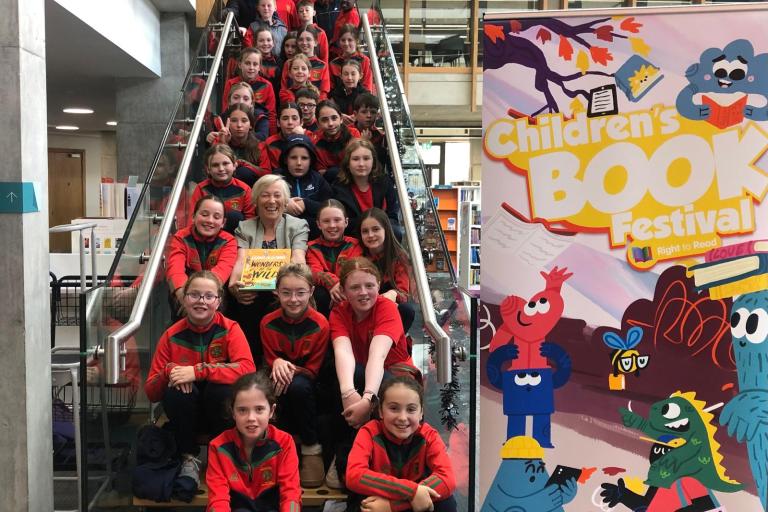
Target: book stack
[(733, 270)]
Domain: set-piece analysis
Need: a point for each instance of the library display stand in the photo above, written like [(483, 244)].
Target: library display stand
[(448, 200)]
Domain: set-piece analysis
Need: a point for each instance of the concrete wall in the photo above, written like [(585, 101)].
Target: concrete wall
[(132, 25), (100, 160)]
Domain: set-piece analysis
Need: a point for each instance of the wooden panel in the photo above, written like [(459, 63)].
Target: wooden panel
[(66, 175), (203, 10)]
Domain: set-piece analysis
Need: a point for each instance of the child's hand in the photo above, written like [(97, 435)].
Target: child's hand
[(181, 375), (282, 374), (211, 137), (224, 134), (358, 413), (422, 500), (391, 295), (298, 129), (243, 297), (337, 296), (295, 206), (348, 119), (375, 504), (365, 134), (185, 388)]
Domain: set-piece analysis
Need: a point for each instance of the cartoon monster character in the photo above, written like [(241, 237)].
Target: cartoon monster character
[(725, 77), (624, 357), (527, 322), (696, 452), (746, 415), (520, 484), (687, 493), (530, 391)]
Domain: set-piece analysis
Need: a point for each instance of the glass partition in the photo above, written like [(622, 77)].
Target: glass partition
[(112, 413)]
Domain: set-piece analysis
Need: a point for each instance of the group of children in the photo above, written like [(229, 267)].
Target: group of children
[(333, 368)]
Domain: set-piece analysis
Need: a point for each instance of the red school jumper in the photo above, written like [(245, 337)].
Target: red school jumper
[(263, 95), (384, 318), (189, 252), (235, 194), (219, 352), (302, 341), (419, 460), (270, 478), (324, 258), (366, 75)]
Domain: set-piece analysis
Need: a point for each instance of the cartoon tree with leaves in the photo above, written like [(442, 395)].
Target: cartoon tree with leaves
[(503, 47)]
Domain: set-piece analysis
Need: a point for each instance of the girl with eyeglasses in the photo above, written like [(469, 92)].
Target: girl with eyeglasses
[(195, 362), (295, 340)]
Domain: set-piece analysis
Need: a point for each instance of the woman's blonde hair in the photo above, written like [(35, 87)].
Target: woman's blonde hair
[(267, 181)]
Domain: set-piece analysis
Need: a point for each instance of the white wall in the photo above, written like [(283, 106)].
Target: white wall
[(100, 160), (132, 25)]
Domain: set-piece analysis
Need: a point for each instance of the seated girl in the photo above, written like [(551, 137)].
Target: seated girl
[(194, 364), (326, 252), (379, 244), (220, 167), (346, 91), (308, 189), (288, 123), (362, 184), (425, 482), (253, 466), (295, 340), (348, 46), (331, 139), (201, 246)]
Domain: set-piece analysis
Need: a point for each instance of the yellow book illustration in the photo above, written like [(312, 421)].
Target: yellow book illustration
[(740, 287), (261, 266)]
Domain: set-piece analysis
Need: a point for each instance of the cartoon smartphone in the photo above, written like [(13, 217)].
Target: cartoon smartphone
[(562, 474), (603, 101)]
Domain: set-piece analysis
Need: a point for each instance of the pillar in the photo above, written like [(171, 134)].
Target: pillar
[(144, 106), (25, 381)]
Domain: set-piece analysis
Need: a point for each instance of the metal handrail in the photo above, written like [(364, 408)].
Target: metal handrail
[(116, 339), (443, 356), (68, 228)]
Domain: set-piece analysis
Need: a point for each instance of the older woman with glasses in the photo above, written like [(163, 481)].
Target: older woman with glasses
[(272, 228)]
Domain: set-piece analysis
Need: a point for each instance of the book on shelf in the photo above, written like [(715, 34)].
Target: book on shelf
[(451, 224), (261, 266), (741, 249), (474, 236), (750, 284), (474, 255), (715, 273)]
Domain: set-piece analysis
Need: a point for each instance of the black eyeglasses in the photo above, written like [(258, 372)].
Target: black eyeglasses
[(208, 298), (307, 106)]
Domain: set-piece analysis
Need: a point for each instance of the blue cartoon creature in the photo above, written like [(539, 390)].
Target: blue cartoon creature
[(523, 484), (746, 415), (724, 78), (624, 357), (529, 391)]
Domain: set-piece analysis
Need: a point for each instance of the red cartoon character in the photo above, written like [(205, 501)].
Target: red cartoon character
[(528, 322)]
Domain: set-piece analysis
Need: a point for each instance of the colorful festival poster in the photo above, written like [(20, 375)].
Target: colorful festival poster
[(624, 302)]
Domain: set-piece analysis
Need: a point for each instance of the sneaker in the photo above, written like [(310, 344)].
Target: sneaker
[(190, 467), (332, 477)]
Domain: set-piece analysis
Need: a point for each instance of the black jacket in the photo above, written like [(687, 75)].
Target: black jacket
[(314, 190), (383, 191)]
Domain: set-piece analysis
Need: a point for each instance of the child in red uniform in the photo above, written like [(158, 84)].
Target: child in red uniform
[(368, 344), (307, 100), (331, 139), (318, 69), (295, 340), (306, 14), (379, 244), (236, 195), (288, 123), (194, 363), (347, 16), (249, 66), (348, 50), (270, 63), (298, 71), (290, 47), (366, 112), (362, 184), (253, 467), (267, 17), (201, 246), (239, 123), (346, 91), (399, 462), (325, 254)]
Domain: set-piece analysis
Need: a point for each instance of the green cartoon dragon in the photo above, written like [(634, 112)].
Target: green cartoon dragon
[(696, 453)]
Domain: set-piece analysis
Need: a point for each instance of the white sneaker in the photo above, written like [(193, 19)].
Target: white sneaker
[(332, 477), (190, 467)]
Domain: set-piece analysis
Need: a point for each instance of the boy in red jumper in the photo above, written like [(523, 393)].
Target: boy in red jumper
[(399, 462), (253, 466), (220, 165), (306, 14), (195, 361), (295, 341)]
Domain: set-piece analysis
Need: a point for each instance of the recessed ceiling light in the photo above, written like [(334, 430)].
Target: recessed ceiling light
[(73, 110), (111, 123), (67, 127)]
